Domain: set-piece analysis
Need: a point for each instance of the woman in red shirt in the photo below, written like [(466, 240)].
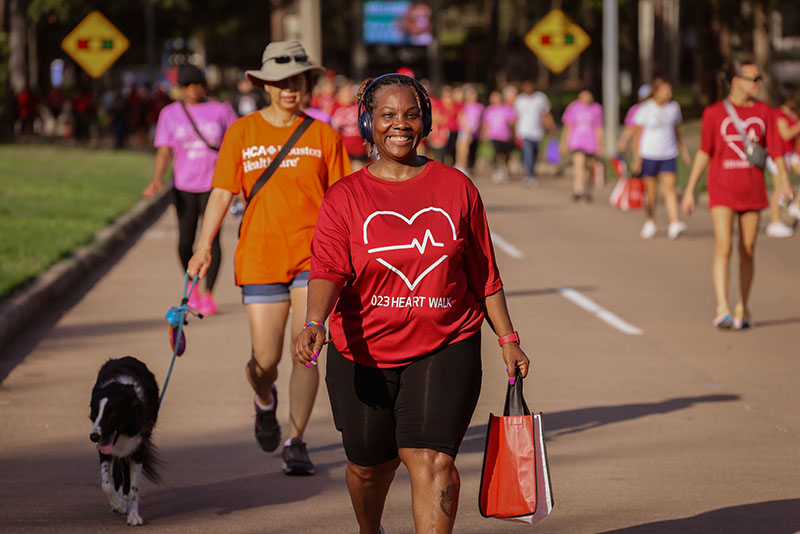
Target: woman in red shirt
[(403, 258), (736, 188), (787, 121)]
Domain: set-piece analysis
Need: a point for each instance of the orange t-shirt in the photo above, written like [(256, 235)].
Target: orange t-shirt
[(275, 241)]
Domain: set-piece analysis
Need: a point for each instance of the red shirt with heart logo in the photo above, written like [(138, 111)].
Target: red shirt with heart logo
[(412, 260), (732, 180)]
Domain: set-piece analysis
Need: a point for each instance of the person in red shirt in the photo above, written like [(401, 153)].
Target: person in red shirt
[(402, 257), (736, 188), (787, 121)]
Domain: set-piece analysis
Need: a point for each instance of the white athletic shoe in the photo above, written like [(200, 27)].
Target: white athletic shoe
[(675, 229), (648, 230), (794, 211), (779, 230)]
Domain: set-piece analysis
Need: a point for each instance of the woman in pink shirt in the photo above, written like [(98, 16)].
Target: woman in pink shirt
[(402, 257), (499, 119), (583, 136), (190, 133)]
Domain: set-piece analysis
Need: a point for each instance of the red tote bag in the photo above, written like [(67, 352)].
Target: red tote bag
[(515, 480)]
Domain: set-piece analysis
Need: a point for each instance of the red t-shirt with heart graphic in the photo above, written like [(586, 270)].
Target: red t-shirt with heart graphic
[(732, 180), (412, 260)]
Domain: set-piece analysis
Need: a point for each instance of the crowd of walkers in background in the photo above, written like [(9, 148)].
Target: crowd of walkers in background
[(496, 129)]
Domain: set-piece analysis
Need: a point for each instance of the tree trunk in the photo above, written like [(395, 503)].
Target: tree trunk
[(17, 72), (761, 49)]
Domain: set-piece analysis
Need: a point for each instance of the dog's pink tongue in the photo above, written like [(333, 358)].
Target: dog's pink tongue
[(106, 446)]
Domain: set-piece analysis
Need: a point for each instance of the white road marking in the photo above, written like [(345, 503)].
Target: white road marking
[(507, 247), (598, 311)]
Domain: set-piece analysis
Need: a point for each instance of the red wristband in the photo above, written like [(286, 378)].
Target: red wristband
[(513, 336)]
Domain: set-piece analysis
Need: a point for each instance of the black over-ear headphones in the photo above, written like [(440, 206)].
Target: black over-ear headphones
[(365, 115)]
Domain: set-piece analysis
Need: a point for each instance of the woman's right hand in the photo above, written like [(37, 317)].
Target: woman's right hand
[(688, 202), (636, 166), (308, 345), (199, 263)]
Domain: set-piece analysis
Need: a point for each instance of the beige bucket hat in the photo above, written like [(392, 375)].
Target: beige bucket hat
[(281, 60)]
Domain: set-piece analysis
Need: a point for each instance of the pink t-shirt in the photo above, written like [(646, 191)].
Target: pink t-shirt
[(584, 119), (193, 165), (413, 259), (498, 120), (472, 113), (630, 115)]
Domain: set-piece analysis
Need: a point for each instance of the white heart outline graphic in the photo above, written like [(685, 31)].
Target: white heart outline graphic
[(428, 240), (732, 139)]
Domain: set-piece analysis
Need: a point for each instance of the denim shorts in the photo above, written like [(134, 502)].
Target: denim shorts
[(654, 167), (260, 293)]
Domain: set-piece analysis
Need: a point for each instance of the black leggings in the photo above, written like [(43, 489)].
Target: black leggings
[(189, 207), (426, 404)]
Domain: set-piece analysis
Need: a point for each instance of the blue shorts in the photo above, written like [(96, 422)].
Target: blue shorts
[(260, 293), (654, 167)]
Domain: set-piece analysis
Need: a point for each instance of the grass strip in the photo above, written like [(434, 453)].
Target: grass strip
[(54, 199)]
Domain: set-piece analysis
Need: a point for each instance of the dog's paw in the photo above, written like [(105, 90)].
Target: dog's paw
[(118, 504), (134, 519)]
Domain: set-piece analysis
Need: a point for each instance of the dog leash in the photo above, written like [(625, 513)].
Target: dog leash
[(176, 317)]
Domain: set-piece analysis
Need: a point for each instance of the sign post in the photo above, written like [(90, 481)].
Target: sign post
[(95, 44)]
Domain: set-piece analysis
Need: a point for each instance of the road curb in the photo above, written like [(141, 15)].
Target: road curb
[(19, 311)]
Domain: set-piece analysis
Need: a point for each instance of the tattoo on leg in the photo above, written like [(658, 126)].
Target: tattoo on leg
[(449, 500)]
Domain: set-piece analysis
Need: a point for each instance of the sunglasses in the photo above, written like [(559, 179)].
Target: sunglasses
[(281, 60), (756, 79)]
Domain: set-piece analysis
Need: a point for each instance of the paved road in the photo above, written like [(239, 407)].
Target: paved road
[(676, 428)]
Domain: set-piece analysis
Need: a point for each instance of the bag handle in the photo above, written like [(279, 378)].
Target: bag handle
[(737, 122), (196, 129), (515, 402), (273, 166)]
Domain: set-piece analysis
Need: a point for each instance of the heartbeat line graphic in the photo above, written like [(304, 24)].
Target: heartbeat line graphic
[(414, 244), (400, 273)]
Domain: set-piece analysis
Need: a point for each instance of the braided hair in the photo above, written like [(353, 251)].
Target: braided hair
[(368, 99)]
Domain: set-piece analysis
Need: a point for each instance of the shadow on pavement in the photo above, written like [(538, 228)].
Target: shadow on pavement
[(571, 421), (771, 517), (237, 494), (777, 322)]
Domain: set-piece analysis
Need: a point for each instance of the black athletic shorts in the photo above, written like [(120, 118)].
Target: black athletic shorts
[(426, 404)]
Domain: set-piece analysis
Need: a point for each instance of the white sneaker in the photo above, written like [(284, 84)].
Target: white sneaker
[(794, 211), (779, 230), (648, 230), (500, 177), (675, 229)]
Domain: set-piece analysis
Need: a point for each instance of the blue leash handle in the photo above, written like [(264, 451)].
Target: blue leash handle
[(176, 316)]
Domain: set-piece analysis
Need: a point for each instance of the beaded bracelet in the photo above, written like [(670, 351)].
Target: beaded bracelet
[(315, 323)]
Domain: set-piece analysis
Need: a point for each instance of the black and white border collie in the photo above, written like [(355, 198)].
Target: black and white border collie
[(124, 408)]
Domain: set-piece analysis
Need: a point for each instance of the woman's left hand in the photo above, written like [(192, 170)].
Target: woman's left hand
[(515, 359)]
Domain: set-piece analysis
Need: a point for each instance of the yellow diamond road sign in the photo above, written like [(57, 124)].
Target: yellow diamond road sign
[(95, 44), (557, 41)]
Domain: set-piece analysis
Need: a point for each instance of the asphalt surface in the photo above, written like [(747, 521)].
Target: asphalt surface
[(670, 427)]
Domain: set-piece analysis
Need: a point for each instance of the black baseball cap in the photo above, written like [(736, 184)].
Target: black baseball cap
[(189, 74)]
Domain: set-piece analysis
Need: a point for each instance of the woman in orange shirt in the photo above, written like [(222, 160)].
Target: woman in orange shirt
[(273, 257)]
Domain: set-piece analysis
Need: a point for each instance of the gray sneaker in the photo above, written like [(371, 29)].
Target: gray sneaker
[(296, 460)]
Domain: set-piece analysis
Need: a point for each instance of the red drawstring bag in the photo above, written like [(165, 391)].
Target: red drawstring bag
[(628, 193), (515, 480)]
